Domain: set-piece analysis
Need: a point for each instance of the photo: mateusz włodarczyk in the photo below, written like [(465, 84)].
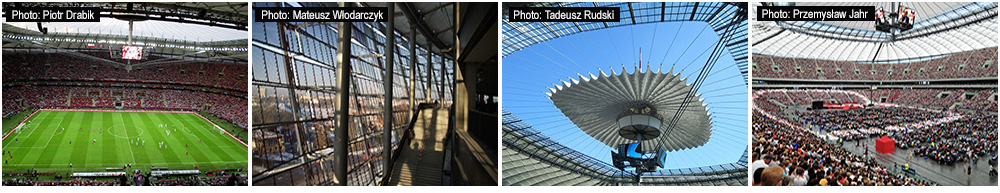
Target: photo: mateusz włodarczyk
[(374, 94)]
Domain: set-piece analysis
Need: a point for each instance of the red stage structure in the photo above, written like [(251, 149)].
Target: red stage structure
[(885, 145)]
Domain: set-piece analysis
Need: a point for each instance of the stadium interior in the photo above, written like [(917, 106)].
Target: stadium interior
[(541, 147), (187, 57), (852, 103), (408, 101)]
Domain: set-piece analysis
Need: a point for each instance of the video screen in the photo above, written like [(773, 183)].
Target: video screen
[(905, 15), (131, 52)]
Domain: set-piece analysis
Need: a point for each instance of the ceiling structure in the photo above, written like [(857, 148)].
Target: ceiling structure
[(147, 28), (414, 18), (594, 104), (533, 158), (940, 29), (220, 14), (432, 27), (189, 31), (924, 9), (521, 35)]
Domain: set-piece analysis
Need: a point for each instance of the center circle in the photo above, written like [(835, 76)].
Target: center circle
[(120, 129)]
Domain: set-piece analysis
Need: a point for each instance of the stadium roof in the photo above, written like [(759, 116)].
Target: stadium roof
[(204, 30), (531, 157), (940, 29), (521, 35), (415, 17), (594, 103), (148, 28), (202, 21)]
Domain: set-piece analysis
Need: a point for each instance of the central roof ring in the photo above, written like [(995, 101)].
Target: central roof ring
[(639, 119)]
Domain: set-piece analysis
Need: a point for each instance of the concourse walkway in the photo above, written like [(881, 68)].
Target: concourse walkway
[(420, 162)]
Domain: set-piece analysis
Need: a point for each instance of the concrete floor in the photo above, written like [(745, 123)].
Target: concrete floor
[(421, 161), (946, 175)]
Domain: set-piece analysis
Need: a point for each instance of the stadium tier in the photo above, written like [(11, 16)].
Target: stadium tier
[(963, 99), (227, 107), (146, 94), (47, 84), (179, 181), (848, 103), (805, 154), (83, 182), (29, 66), (972, 64), (929, 127)]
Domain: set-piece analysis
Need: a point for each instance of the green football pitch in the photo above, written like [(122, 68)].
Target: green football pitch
[(49, 141)]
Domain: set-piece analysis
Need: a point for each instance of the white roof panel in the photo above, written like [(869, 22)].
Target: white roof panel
[(148, 28), (945, 28)]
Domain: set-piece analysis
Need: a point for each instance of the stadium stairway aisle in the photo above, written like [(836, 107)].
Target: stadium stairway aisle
[(421, 161)]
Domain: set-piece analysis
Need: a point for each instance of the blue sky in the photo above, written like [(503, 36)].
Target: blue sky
[(686, 46)]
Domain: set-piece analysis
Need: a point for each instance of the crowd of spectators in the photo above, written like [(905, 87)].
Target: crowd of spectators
[(794, 143), (230, 108), (971, 64), (939, 98), (16, 99), (795, 97), (227, 180), (789, 156), (178, 181), (74, 182), (10, 108), (969, 99), (63, 69), (966, 139), (865, 122), (22, 66), (137, 178)]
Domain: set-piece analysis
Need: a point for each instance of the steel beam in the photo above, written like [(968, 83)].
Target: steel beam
[(441, 85), (413, 71), (415, 18), (344, 30), (290, 78), (390, 58), (430, 77)]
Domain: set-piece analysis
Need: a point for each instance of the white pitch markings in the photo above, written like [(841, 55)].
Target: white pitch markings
[(32, 129), (150, 163), (221, 134), (61, 119), (125, 127), (50, 139)]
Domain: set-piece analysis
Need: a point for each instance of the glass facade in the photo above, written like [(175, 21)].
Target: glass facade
[(294, 98)]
